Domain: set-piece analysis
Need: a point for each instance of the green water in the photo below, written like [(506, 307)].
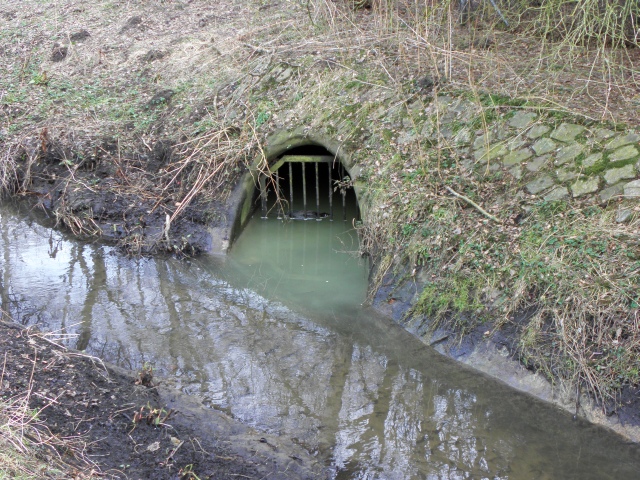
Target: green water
[(275, 335)]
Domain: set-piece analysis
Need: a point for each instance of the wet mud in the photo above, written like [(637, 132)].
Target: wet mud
[(128, 428)]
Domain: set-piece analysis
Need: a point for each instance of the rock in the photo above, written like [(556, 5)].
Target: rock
[(623, 140), (483, 140), (583, 187), (557, 193), (515, 143), (544, 145), (632, 189), (610, 192), (614, 175), (463, 137), (522, 119), (623, 215), (516, 172), (567, 132), (592, 159), (537, 163), (517, 156), (537, 131), (494, 151), (623, 153), (563, 174), (568, 153), (604, 133), (539, 184)]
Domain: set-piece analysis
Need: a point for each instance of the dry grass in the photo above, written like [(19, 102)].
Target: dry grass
[(28, 449), (223, 61)]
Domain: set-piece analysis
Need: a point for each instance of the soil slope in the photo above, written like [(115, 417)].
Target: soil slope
[(101, 421)]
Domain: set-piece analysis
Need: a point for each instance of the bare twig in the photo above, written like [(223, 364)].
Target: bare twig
[(473, 204)]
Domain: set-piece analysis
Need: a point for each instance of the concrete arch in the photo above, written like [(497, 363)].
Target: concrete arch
[(277, 145)]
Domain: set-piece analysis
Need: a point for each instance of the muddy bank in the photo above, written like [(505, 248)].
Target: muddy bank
[(125, 425), (497, 351)]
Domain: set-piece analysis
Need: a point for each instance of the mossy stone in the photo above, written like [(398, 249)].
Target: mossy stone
[(517, 156), (539, 184), (491, 153), (567, 132), (614, 175), (568, 153), (632, 189), (522, 119), (592, 159), (544, 145), (537, 131), (557, 193), (623, 140), (537, 163), (610, 192), (624, 153), (583, 187), (563, 174)]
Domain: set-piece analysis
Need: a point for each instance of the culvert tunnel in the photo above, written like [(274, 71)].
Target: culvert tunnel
[(307, 183)]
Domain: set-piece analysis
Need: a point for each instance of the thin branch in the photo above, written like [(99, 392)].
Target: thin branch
[(473, 204)]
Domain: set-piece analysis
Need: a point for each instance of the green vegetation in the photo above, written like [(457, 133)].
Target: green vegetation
[(377, 83)]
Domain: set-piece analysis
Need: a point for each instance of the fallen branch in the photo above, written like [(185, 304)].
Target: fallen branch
[(473, 204)]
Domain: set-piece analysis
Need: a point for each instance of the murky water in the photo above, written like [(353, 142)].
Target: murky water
[(280, 341)]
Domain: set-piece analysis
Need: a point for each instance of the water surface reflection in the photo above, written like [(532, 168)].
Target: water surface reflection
[(360, 392)]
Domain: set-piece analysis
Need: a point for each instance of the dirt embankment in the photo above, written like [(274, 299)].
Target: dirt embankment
[(93, 420)]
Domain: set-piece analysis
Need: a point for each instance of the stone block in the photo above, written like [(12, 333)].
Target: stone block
[(624, 153), (608, 193), (463, 137), (537, 163), (563, 174), (517, 156), (603, 133), (544, 145), (592, 159), (539, 184), (483, 140), (614, 175), (568, 153), (623, 140), (537, 131), (557, 193), (623, 215), (632, 189), (516, 172), (515, 143), (494, 151), (567, 132), (583, 187), (522, 119)]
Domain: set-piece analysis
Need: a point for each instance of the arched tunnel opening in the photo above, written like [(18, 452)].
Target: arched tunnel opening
[(308, 183)]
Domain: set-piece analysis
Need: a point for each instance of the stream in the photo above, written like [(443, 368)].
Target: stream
[(275, 334)]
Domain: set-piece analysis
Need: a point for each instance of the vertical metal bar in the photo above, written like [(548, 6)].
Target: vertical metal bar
[(263, 195), (317, 194), (330, 194), (304, 192), (344, 197), (290, 189), (278, 197)]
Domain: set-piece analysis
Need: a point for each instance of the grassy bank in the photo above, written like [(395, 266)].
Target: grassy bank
[(159, 107)]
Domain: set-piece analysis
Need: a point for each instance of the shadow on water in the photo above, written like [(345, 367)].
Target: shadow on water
[(297, 355)]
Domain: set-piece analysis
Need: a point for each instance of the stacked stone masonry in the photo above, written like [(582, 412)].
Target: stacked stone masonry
[(560, 161)]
